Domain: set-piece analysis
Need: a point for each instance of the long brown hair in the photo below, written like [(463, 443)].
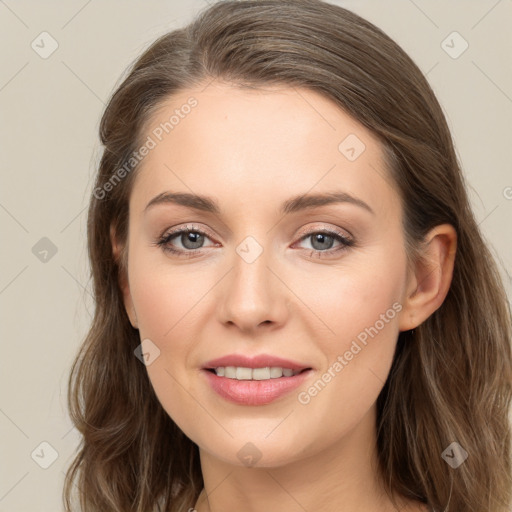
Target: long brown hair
[(451, 377)]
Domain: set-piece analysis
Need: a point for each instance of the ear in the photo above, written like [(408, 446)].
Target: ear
[(430, 280), (124, 285)]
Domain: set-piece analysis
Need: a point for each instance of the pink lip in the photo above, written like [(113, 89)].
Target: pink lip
[(259, 361), (254, 392)]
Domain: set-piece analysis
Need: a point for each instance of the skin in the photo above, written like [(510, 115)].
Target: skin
[(251, 150)]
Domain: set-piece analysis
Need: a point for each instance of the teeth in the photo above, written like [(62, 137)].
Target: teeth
[(241, 373), (261, 373), (229, 372), (275, 372)]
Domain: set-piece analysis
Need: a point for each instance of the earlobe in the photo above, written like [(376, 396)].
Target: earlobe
[(124, 286), (432, 277)]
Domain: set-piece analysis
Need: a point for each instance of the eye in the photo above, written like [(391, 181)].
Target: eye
[(191, 239), (322, 242)]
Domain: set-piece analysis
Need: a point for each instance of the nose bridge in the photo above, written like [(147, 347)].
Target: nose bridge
[(251, 271), (252, 293)]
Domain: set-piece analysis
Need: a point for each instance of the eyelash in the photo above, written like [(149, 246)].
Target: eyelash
[(163, 241)]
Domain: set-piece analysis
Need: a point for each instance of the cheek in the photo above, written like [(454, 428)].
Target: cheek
[(353, 297), (164, 305), (165, 296), (361, 308), (169, 300)]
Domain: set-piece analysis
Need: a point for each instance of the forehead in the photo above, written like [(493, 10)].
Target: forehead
[(259, 144)]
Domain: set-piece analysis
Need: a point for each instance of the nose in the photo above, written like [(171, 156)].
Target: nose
[(252, 296)]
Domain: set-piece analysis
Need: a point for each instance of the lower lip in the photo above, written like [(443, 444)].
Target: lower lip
[(254, 392)]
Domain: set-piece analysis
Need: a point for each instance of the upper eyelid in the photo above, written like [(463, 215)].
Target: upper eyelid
[(334, 230), (185, 229)]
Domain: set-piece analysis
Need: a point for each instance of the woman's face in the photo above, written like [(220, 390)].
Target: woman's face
[(317, 283)]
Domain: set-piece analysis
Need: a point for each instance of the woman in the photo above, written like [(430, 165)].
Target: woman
[(295, 307)]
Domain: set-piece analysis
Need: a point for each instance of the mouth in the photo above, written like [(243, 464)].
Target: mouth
[(246, 386)]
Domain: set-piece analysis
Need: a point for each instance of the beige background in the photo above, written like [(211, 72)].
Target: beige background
[(50, 111)]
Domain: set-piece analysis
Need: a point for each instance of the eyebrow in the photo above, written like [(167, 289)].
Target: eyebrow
[(295, 204)]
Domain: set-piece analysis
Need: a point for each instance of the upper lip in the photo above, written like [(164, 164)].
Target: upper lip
[(258, 361)]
